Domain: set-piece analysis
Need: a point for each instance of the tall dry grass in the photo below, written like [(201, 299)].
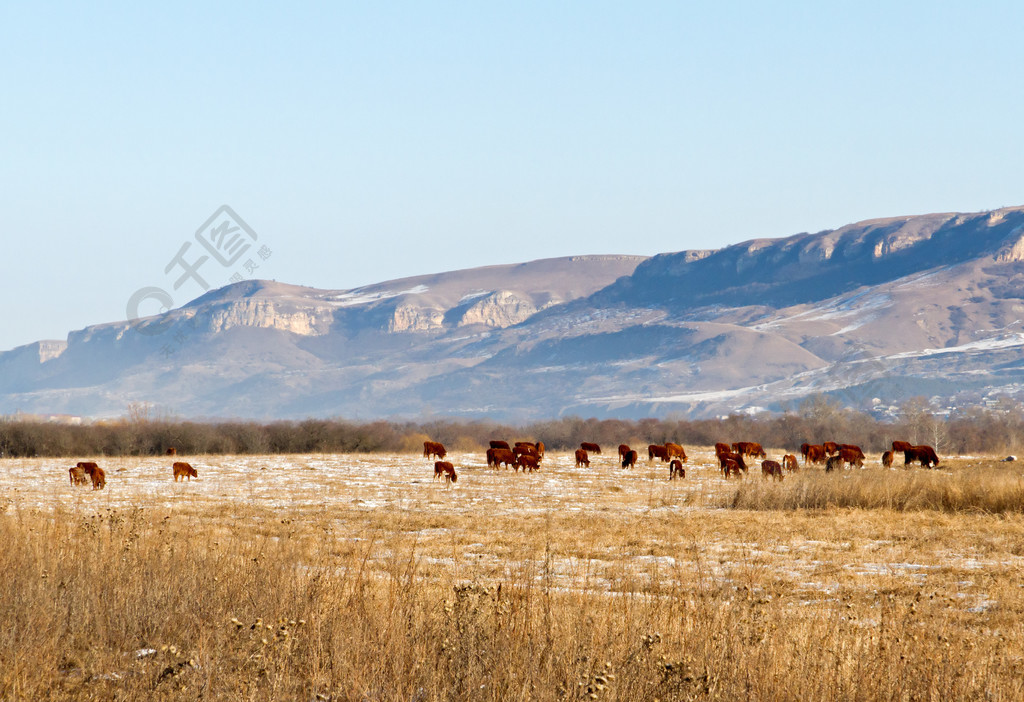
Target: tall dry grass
[(264, 605)]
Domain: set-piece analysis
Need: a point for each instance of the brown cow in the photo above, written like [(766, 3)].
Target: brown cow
[(495, 457), (582, 459), (887, 459), (721, 448), (831, 448), (735, 457), (815, 454), (803, 450), (851, 456), (675, 469), (852, 447), (591, 448), (525, 449), (525, 461), (924, 454), (95, 473), (433, 448), (183, 470), (657, 451), (500, 444), (629, 460), (749, 448), (77, 475), (446, 469), (833, 463), (675, 451), (623, 450), (731, 467), (789, 463), (900, 446), (771, 469), (171, 451)]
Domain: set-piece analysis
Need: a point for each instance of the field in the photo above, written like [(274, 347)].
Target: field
[(359, 577)]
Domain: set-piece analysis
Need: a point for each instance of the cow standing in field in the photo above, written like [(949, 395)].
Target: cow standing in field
[(497, 457), (833, 463), (887, 459), (771, 469), (77, 475), (184, 470), (730, 467), (623, 450), (831, 448), (446, 470), (525, 461), (815, 454), (852, 457), (591, 448), (789, 463), (676, 470), (675, 451), (500, 445), (432, 449), (582, 459), (629, 460), (749, 448), (735, 458), (900, 446), (657, 451), (924, 454), (95, 473)]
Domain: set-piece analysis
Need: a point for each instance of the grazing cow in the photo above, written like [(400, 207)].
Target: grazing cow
[(171, 451), (924, 454), (623, 450), (852, 447), (500, 444), (735, 457), (526, 450), (721, 448), (495, 457), (591, 448), (525, 461), (771, 469), (851, 456), (789, 463), (831, 448), (675, 469), (446, 469), (749, 448), (815, 454), (95, 473), (657, 451), (887, 459), (582, 459), (833, 463), (183, 470), (77, 475), (629, 460), (433, 448), (675, 451), (731, 467), (900, 446)]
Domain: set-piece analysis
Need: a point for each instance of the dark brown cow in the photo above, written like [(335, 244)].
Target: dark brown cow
[(675, 469), (852, 457), (527, 461), (591, 448), (537, 447), (525, 450), (831, 448), (495, 457), (736, 457), (183, 470), (804, 447), (171, 451), (540, 448), (815, 454), (900, 446), (833, 463), (447, 470), (923, 454), (77, 475), (657, 451), (853, 447), (500, 444), (623, 450), (771, 469), (731, 467), (433, 448), (675, 451), (887, 459), (629, 460), (582, 459), (789, 463), (95, 473)]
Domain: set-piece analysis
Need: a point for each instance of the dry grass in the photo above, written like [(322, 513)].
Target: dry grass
[(358, 578)]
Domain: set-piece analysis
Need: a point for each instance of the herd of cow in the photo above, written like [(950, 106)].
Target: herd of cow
[(85, 471), (528, 456)]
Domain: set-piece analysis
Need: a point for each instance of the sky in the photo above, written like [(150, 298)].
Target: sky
[(361, 142)]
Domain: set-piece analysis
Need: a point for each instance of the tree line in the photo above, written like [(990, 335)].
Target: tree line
[(818, 419)]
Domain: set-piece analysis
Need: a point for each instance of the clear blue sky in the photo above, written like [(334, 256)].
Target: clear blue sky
[(368, 141)]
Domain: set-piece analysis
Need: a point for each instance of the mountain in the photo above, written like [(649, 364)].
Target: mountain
[(874, 312)]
